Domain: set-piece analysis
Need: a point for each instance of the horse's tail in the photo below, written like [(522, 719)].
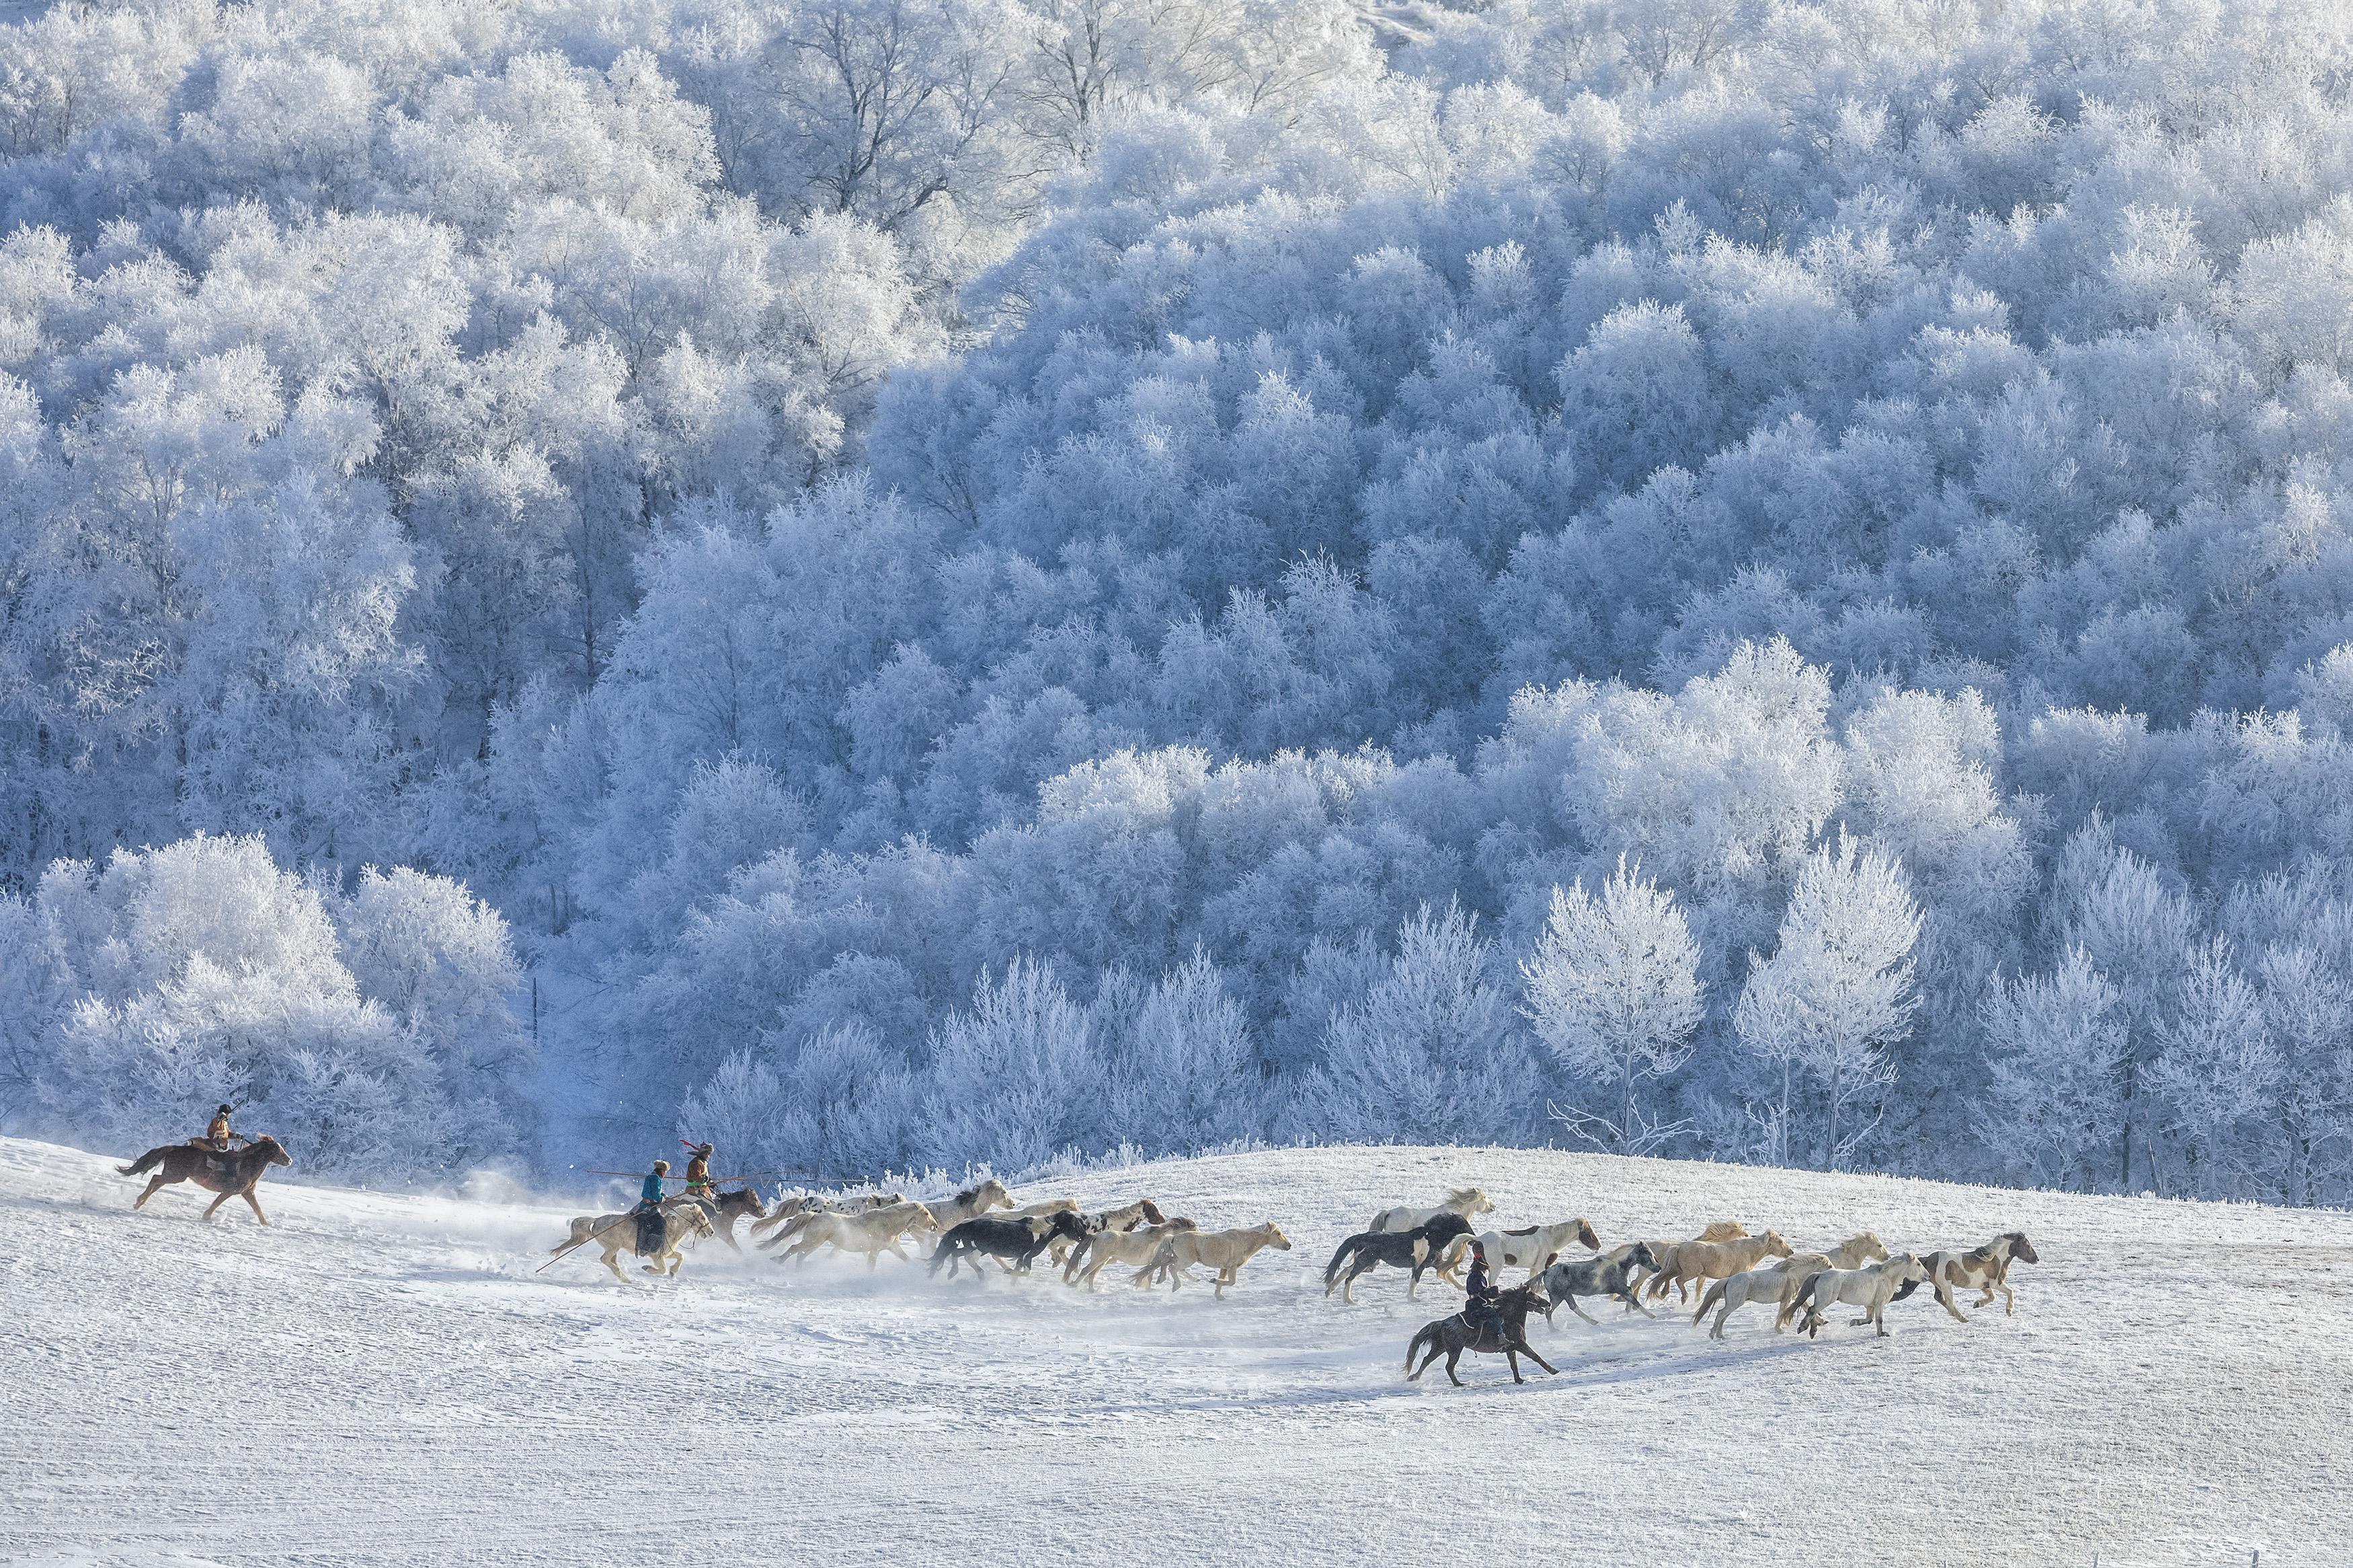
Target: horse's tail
[(1426, 1336), (144, 1163), (1709, 1302), (1332, 1269), (787, 1229)]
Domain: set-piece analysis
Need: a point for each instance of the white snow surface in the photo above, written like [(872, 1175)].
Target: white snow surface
[(383, 1379)]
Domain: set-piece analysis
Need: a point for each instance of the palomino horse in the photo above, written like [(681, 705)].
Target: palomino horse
[(1223, 1250), (1697, 1262), (232, 1173), (1449, 1337), (1133, 1247), (618, 1233), (1664, 1251)]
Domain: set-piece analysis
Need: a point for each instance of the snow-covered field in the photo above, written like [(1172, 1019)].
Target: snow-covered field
[(382, 1379)]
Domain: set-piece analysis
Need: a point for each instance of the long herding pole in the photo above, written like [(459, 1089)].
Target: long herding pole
[(738, 1176)]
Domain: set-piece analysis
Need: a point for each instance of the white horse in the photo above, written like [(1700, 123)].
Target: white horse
[(1778, 1282), (874, 1232), (1775, 1282), (1868, 1288), (1530, 1248), (1069, 1256), (1468, 1202), (792, 1212), (970, 1204)]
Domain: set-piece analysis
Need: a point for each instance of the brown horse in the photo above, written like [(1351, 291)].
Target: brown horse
[(232, 1173), (1449, 1337), (727, 1208)]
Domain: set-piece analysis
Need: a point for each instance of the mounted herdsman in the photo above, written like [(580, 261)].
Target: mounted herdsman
[(698, 1173), (649, 1211), (218, 1137), (1482, 1304)]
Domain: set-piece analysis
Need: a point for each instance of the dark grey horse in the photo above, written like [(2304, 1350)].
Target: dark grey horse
[(1608, 1274)]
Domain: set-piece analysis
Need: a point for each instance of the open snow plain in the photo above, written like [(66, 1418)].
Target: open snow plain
[(380, 1379)]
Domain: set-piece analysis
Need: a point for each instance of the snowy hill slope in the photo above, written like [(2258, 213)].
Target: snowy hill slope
[(381, 1379)]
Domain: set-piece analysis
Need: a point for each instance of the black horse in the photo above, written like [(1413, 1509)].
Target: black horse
[(1416, 1249), (1015, 1242), (1503, 1332)]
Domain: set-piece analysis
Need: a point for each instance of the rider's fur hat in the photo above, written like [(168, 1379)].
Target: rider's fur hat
[(705, 1149), (661, 1164), (222, 1111)]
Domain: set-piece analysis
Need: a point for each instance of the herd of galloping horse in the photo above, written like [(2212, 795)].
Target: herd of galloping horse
[(1725, 1266)]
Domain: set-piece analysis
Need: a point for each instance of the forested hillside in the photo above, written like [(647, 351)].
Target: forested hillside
[(1758, 579)]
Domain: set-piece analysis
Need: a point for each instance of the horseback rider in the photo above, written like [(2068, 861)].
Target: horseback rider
[(218, 1137), (649, 1211), (1483, 1304), (698, 1173)]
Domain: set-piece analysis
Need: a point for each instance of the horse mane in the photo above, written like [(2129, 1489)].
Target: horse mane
[(1464, 1195), (969, 1196)]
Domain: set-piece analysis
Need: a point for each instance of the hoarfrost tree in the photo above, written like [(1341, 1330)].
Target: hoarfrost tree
[(2217, 1070), (1837, 990), (1179, 1060), (1014, 1080), (1613, 991), (2055, 1095), (2309, 1008), (1428, 1052), (201, 971), (2140, 931)]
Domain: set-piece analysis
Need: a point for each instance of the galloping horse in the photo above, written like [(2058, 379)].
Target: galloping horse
[(619, 1233), (233, 1173), (1449, 1337), (727, 1208)]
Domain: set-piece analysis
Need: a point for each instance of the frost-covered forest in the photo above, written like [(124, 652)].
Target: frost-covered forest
[(973, 580)]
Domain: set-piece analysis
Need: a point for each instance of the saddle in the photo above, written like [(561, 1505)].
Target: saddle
[(1484, 1322)]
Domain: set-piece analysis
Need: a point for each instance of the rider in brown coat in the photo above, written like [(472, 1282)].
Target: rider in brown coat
[(216, 1134)]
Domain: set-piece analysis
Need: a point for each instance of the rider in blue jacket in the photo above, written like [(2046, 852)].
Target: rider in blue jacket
[(650, 1196)]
